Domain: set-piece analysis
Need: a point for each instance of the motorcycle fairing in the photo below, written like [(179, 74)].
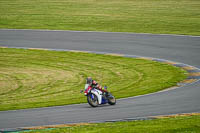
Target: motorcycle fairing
[(104, 101), (98, 93)]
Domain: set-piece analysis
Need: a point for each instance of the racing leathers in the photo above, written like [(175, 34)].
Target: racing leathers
[(97, 86)]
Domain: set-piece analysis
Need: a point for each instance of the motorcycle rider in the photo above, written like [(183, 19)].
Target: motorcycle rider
[(95, 85)]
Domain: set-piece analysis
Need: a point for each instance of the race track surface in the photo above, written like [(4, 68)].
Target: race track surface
[(184, 49)]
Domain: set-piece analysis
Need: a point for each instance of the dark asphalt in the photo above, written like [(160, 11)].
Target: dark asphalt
[(184, 49)]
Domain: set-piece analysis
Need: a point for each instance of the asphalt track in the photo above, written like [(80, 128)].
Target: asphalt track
[(184, 49)]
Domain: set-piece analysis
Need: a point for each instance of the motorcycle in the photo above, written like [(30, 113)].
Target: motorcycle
[(96, 97)]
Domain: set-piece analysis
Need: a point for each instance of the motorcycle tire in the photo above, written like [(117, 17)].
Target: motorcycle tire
[(92, 102), (111, 100)]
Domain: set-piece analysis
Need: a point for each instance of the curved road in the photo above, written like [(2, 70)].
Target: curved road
[(184, 49)]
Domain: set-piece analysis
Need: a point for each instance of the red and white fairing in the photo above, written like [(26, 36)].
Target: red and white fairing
[(98, 93)]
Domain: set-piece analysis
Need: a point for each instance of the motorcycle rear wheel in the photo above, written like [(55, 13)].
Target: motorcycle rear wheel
[(111, 99)]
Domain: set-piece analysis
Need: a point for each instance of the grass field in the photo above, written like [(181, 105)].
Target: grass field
[(39, 78), (181, 124), (140, 16)]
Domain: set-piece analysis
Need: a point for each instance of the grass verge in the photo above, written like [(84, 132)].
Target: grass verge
[(180, 124), (39, 78), (139, 16)]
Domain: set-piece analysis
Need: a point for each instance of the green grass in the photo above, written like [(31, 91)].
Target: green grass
[(140, 16), (183, 124), (39, 78)]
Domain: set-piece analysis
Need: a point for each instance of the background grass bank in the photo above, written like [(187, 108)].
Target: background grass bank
[(181, 124), (140, 16), (39, 78)]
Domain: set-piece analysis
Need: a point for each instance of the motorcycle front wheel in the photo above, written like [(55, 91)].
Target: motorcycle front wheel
[(92, 100)]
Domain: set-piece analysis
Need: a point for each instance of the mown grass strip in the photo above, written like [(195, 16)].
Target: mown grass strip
[(180, 124), (139, 16), (41, 78)]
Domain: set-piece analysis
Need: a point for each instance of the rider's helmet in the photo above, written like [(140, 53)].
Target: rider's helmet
[(89, 80)]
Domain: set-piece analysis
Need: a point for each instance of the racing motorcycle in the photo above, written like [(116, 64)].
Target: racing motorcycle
[(96, 97)]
